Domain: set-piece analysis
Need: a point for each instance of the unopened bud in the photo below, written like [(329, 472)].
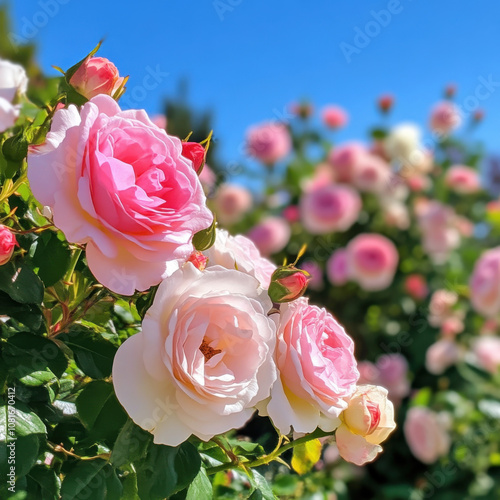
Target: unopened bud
[(7, 244), (198, 260), (196, 153), (288, 284)]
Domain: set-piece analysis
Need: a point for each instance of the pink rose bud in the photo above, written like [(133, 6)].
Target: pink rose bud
[(287, 284), (196, 153), (97, 75), (291, 213), (367, 421), (198, 260), (416, 286), (450, 90), (385, 103), (334, 117), (478, 115), (7, 244)]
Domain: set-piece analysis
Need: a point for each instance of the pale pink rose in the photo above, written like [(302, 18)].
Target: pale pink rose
[(438, 226), (416, 286), (207, 178), (316, 273), (418, 183), (334, 116), (441, 306), (426, 434), (97, 75), (366, 423), (452, 326), (238, 252), (393, 375), (441, 355), (487, 352), (464, 180), (485, 283), (8, 243), (344, 160), (317, 370), (203, 359), (160, 121), (371, 174), (269, 142), (329, 208), (13, 82), (270, 235), (118, 183), (291, 213), (395, 213), (368, 373), (445, 117), (337, 269), (372, 261), (231, 203)]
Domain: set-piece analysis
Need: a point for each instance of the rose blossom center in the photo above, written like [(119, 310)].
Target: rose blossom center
[(207, 351), (374, 411)]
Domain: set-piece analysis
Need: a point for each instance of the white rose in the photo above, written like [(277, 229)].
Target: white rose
[(13, 81)]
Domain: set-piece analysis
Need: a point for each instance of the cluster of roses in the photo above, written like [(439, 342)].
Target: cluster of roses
[(213, 346)]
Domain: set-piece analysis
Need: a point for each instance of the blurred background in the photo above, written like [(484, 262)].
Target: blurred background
[(368, 132)]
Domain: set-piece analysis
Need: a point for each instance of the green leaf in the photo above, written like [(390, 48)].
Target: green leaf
[(205, 238), (27, 314), (200, 488), (100, 411), (93, 354), (52, 257), (28, 355), (94, 479), (20, 283), (306, 455), (131, 444), (15, 148), (262, 489), (43, 483), (167, 470)]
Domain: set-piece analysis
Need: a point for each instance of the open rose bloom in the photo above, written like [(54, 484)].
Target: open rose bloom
[(13, 82), (120, 184)]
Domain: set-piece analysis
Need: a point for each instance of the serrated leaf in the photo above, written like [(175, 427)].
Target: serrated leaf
[(306, 455)]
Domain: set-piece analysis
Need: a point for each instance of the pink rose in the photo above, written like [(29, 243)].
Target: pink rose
[(441, 355), (231, 202), (344, 160), (485, 283), (97, 75), (291, 213), (453, 325), (366, 423), (395, 213), (207, 178), (160, 121), (441, 306), (426, 434), (269, 142), (445, 117), (238, 252), (270, 235), (316, 275), (203, 359), (118, 183), (372, 261), (334, 117), (8, 243), (464, 180), (317, 370), (487, 352), (337, 269), (393, 375), (416, 286), (13, 82), (329, 208), (371, 174)]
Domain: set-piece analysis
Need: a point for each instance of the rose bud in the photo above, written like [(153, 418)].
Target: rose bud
[(198, 260), (97, 75), (288, 284), (385, 103), (450, 90), (7, 244), (478, 115), (367, 421), (196, 153)]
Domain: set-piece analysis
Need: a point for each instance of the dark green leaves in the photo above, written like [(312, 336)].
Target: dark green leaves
[(93, 354), (205, 238), (167, 470), (131, 444), (20, 283), (51, 256)]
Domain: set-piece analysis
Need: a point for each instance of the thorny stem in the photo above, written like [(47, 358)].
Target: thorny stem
[(265, 459), (59, 449)]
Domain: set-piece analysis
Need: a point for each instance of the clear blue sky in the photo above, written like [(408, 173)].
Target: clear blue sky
[(247, 59)]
